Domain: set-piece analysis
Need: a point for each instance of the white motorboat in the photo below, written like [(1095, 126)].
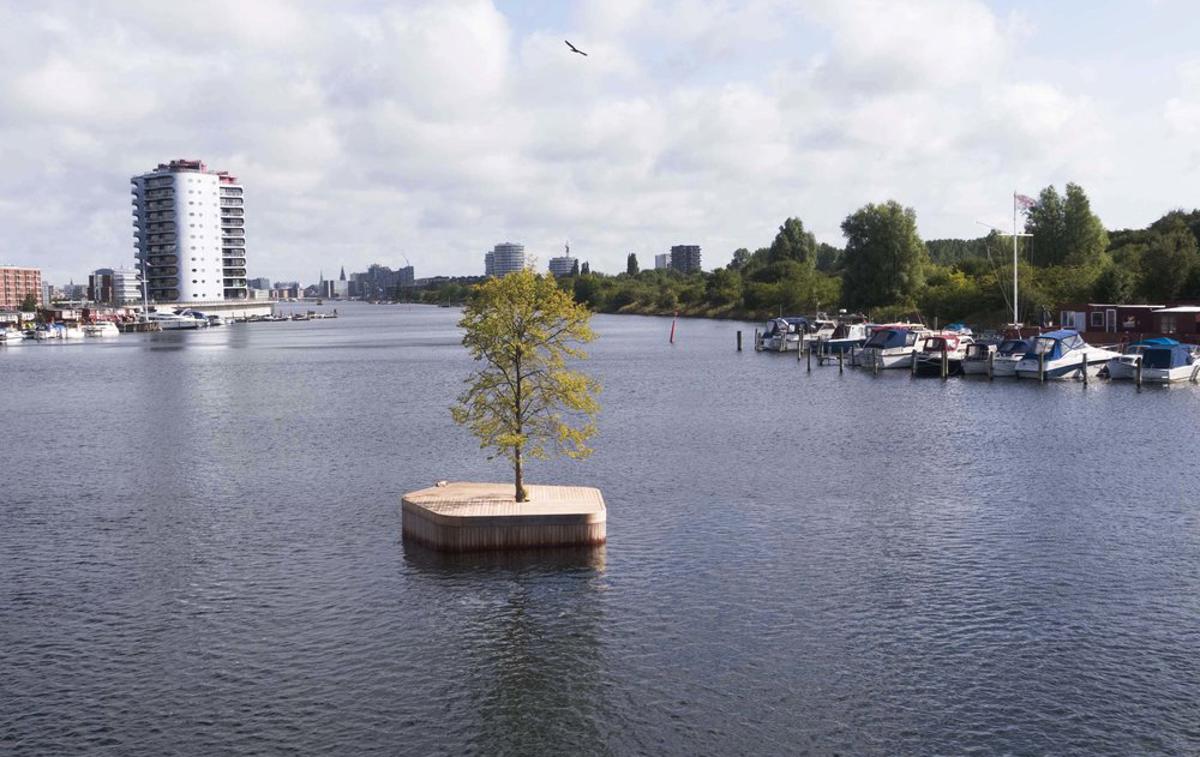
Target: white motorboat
[(1008, 354), (783, 334), (950, 346), (1162, 361), (72, 332), (102, 328), (172, 321), (1062, 355), (975, 362), (891, 346), (11, 336)]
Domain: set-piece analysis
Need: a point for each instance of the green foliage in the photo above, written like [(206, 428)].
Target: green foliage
[(1169, 259), (884, 258), (794, 243), (586, 269), (829, 258), (631, 264), (1065, 233), (523, 399), (1114, 284), (29, 303), (575, 268), (741, 256)]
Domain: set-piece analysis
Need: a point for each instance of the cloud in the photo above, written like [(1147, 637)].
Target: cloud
[(433, 130)]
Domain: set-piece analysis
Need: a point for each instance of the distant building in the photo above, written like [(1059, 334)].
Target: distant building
[(189, 223), (405, 277), (285, 290), (685, 258), (115, 286), (562, 265), (504, 259), (662, 261), (15, 283), (259, 283)]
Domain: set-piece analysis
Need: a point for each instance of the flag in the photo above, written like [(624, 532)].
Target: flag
[(1024, 202)]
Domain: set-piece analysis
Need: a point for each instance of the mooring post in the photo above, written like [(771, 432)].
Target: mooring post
[(841, 360), (945, 362), (757, 346), (991, 363), (1138, 372), (739, 340), (1084, 361), (913, 368), (808, 352), (1042, 367)]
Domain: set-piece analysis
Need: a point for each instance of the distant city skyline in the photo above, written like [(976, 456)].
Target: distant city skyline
[(434, 129)]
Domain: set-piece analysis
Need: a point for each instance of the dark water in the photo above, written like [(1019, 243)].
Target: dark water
[(200, 554)]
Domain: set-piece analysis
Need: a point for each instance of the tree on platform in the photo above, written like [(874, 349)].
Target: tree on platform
[(631, 264), (523, 401), (29, 304)]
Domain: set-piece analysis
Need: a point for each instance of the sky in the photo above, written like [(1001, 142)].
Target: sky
[(428, 132)]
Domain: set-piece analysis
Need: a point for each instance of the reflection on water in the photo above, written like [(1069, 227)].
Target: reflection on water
[(200, 552)]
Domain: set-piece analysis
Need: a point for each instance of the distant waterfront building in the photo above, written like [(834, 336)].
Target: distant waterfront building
[(259, 283), (662, 261), (379, 282), (685, 258), (504, 259), (406, 276), (189, 223), (16, 282), (489, 264), (562, 265), (115, 286)]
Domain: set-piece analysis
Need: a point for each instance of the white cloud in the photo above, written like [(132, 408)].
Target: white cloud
[(435, 129)]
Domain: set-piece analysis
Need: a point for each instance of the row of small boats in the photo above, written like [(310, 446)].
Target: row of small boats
[(1051, 356), (51, 331)]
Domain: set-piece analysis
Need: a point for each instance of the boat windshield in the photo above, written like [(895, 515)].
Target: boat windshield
[(1013, 347), (1044, 345)]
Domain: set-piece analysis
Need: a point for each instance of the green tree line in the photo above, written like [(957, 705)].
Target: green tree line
[(885, 269)]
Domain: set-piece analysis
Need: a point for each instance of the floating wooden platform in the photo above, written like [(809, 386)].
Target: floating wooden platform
[(464, 517)]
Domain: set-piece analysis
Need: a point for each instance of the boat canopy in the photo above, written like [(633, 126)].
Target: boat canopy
[(889, 338), (937, 341), (961, 328), (1014, 347), (1168, 356), (1055, 344), (1155, 341)]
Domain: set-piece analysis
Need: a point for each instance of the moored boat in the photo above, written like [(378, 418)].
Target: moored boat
[(1162, 361), (172, 321), (1062, 355), (101, 328), (949, 347), (891, 346), (784, 334), (1008, 353), (978, 356)]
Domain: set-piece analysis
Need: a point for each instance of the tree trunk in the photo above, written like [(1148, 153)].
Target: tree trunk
[(520, 480)]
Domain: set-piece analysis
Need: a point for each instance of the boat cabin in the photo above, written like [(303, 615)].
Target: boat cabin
[(892, 338)]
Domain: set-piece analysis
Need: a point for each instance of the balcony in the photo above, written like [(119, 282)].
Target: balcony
[(232, 231), (233, 212), (231, 191), (239, 273), (234, 263), (233, 246), (231, 202)]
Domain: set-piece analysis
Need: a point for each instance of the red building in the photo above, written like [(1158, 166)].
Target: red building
[(1102, 323), (15, 283)]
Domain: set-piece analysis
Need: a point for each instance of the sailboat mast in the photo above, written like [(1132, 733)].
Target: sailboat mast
[(1016, 320)]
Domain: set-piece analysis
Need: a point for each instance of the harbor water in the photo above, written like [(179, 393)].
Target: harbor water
[(200, 553)]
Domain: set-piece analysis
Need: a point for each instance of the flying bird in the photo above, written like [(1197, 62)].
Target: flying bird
[(575, 49)]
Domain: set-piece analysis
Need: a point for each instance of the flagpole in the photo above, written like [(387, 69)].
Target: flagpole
[(1016, 319)]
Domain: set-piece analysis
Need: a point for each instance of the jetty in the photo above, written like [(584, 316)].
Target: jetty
[(465, 517)]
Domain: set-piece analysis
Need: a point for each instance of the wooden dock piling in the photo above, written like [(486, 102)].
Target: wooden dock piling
[(739, 340), (1042, 367)]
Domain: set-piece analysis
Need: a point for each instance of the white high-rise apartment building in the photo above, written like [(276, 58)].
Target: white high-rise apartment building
[(189, 223), (505, 258)]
